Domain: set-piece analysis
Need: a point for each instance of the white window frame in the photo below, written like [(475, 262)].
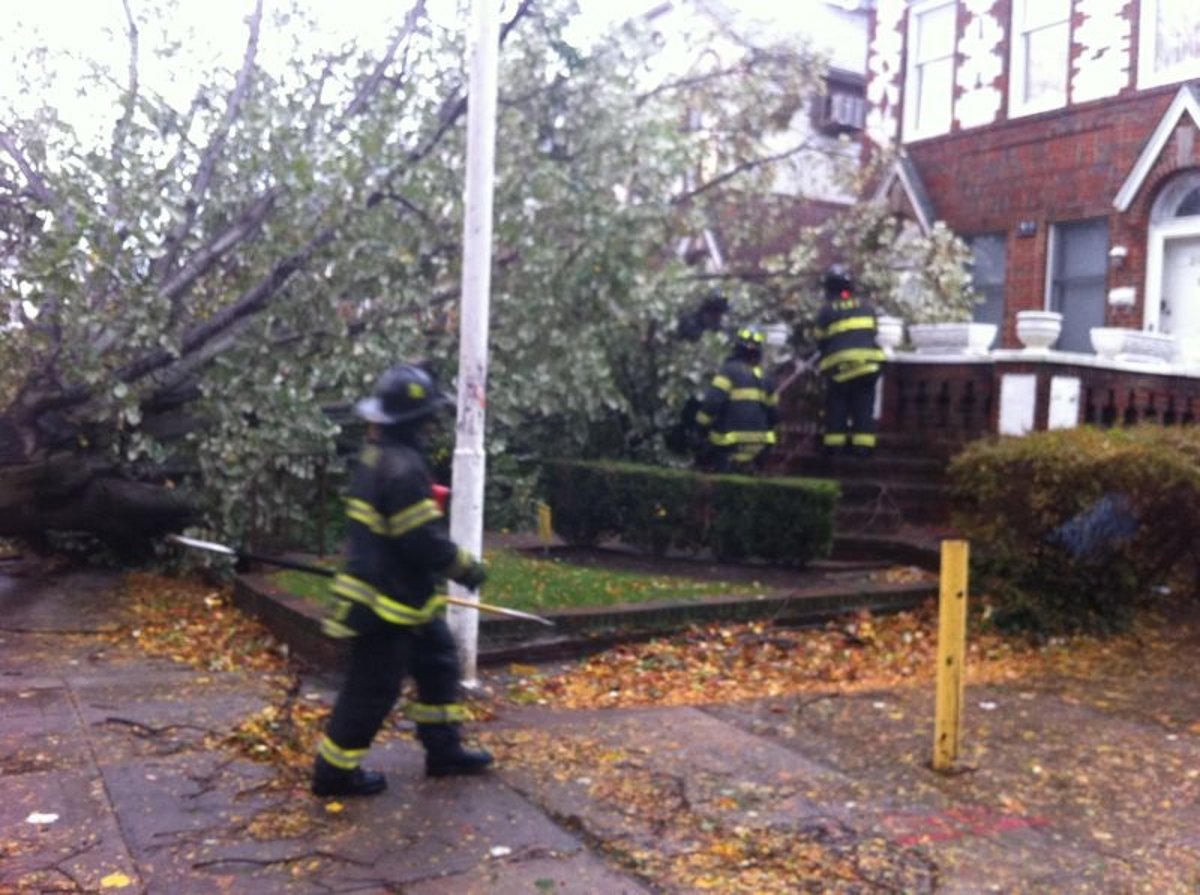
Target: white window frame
[(1148, 76), (1018, 68), (912, 130)]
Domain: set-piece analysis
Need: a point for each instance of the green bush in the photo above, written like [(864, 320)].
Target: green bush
[(786, 521), (1020, 501)]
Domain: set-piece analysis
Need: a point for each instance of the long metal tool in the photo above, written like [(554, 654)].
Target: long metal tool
[(224, 550)]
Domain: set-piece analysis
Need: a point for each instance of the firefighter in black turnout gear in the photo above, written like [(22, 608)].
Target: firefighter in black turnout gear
[(398, 552), (850, 361), (738, 412)]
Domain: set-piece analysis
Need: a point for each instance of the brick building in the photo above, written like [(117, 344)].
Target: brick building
[(1060, 138)]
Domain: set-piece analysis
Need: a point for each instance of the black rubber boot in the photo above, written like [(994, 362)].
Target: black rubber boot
[(445, 755), (328, 780)]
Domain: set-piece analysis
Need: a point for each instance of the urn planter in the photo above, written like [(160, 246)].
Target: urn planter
[(952, 338), (1038, 330)]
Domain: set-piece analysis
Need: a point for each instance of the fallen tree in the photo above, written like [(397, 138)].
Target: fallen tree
[(195, 288)]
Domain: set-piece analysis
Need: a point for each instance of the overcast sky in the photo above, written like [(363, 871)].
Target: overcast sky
[(79, 27)]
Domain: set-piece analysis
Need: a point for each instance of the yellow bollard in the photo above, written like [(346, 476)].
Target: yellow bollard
[(545, 523), (951, 653)]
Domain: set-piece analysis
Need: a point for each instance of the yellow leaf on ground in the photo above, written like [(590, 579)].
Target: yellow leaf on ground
[(115, 881)]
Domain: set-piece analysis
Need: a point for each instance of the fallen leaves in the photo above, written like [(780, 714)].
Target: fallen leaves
[(195, 623), (727, 662)]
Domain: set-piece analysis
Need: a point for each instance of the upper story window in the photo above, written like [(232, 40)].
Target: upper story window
[(842, 108), (929, 81), (1041, 47), (1169, 46)]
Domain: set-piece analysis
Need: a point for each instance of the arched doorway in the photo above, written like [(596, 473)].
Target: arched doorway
[(1173, 263)]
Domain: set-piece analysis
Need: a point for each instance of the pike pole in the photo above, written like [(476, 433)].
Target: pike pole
[(281, 562)]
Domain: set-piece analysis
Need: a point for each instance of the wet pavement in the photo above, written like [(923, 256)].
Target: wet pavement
[(111, 782)]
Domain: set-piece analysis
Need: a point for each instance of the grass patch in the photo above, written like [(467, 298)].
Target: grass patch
[(524, 582)]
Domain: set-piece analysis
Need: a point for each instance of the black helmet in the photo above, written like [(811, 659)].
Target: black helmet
[(837, 280), (749, 341), (405, 393)]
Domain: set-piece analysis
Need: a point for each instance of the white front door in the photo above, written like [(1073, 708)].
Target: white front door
[(1181, 293)]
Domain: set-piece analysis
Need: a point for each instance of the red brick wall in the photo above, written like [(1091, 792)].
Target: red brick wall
[(1064, 165)]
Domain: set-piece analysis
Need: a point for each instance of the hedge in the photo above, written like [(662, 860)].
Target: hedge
[(1076, 529), (784, 521)]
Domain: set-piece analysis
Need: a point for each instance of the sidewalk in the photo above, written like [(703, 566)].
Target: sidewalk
[(111, 784)]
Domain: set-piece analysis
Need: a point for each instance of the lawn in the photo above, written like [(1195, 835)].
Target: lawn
[(524, 582)]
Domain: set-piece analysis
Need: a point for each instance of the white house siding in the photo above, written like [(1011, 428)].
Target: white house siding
[(980, 65), (885, 73), (1102, 59)]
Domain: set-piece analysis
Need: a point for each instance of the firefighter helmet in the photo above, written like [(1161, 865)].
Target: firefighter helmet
[(837, 280), (749, 341), (404, 394)]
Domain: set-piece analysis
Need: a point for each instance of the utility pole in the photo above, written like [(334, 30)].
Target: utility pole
[(466, 499)]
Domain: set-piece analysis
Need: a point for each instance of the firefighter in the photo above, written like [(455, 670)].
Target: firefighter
[(850, 361), (398, 550), (738, 413)]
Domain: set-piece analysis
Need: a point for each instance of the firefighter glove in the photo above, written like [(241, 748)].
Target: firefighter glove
[(473, 575)]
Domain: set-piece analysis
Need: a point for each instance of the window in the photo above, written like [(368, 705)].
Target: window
[(1078, 271), (1041, 45), (929, 82), (843, 107), (1169, 45), (987, 276)]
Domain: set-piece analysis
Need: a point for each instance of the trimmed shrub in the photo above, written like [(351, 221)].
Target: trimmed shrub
[(1073, 529), (785, 521)]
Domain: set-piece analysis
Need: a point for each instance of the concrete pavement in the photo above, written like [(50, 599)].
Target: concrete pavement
[(113, 779)]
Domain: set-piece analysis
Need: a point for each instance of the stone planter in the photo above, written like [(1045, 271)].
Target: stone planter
[(952, 338), (1038, 330), (889, 333), (1133, 345), (1107, 341), (1147, 348)]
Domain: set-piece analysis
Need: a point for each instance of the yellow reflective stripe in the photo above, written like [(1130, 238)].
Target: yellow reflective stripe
[(402, 614), (864, 439), (835, 439), (849, 324), (384, 606), (346, 759), (748, 394), (724, 383), (854, 371), (851, 356), (412, 517), (424, 713), (724, 439), (361, 511), (748, 454), (704, 419), (333, 624), (353, 589), (772, 400), (336, 630)]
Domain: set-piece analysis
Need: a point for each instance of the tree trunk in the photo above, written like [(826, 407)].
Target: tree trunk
[(77, 491)]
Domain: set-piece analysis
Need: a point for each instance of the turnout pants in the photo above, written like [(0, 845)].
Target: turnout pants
[(850, 414), (379, 661)]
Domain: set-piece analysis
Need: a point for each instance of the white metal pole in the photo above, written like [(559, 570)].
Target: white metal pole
[(466, 500)]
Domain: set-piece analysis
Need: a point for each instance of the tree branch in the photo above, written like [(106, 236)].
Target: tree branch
[(371, 86), (173, 241), (204, 258), (37, 185), (248, 304), (739, 169)]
